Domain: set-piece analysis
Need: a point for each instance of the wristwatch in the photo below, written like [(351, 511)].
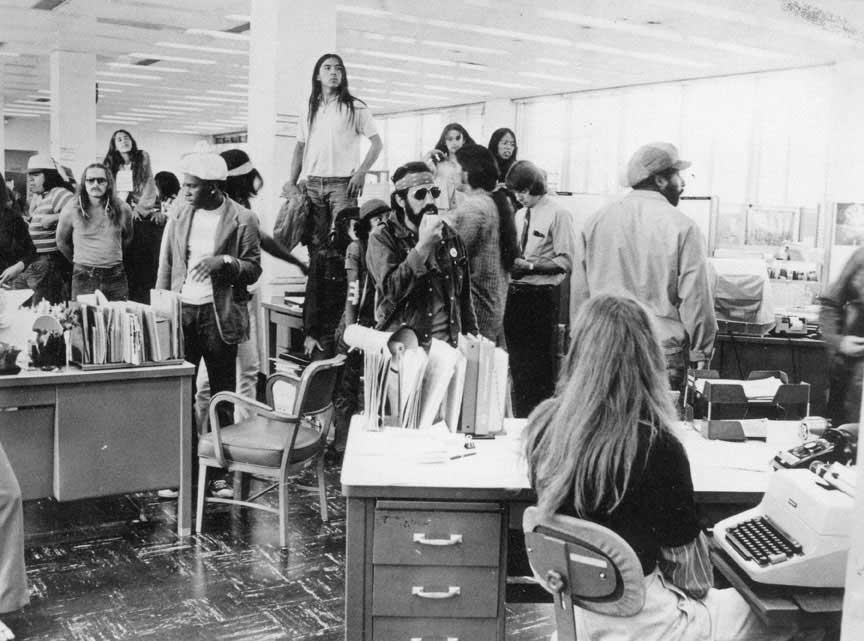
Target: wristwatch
[(228, 260)]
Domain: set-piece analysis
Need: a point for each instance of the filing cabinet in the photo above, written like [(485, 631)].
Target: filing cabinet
[(435, 570)]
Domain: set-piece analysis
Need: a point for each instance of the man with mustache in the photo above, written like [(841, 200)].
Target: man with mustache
[(642, 245), (419, 264)]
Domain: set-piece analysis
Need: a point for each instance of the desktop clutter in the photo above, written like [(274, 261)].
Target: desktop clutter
[(90, 333), (465, 388)]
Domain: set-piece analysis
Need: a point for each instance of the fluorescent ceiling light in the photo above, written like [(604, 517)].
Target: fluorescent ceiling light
[(217, 99), (363, 11), (10, 54), (190, 102), (173, 108), (118, 83), (554, 61), (474, 92), (48, 91), (367, 79), (134, 76), (116, 121), (15, 114), (238, 18), (411, 94), (501, 83), (214, 33), (632, 53), (557, 77), (240, 85), (109, 90), (227, 93), (393, 100), (157, 56), (358, 65), (174, 131), (181, 45), (39, 103), (401, 56), (156, 112), (463, 47), (153, 67)]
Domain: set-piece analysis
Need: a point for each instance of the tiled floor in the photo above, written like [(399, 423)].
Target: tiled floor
[(98, 572)]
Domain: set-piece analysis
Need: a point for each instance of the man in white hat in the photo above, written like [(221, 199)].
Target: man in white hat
[(210, 254), (643, 246)]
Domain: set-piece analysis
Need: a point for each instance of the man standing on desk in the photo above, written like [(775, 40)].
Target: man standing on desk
[(419, 264), (643, 246)]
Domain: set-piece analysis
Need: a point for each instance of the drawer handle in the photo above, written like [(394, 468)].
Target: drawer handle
[(453, 539), (452, 591)]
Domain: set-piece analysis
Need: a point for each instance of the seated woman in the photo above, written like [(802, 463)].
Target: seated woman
[(602, 449)]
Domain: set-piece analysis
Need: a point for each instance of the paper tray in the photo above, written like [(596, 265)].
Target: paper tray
[(98, 366)]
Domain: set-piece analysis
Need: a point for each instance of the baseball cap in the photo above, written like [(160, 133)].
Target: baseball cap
[(205, 166), (373, 207), (651, 159)]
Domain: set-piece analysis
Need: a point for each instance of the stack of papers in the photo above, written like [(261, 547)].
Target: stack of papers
[(760, 389)]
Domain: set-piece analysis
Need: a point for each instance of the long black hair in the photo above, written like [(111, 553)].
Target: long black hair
[(167, 185), (441, 145), (494, 140), (344, 96), (114, 159), (479, 163), (53, 179)]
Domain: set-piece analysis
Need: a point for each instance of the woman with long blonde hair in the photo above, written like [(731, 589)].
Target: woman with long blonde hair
[(603, 449)]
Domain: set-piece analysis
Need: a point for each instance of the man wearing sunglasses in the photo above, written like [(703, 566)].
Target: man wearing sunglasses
[(419, 264)]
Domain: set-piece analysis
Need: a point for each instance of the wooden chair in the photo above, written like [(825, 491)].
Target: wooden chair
[(582, 564), (272, 444)]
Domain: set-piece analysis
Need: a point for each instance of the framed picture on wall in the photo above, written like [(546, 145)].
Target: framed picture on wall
[(849, 224), (772, 226)]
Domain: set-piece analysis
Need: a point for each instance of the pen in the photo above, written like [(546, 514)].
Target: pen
[(462, 455)]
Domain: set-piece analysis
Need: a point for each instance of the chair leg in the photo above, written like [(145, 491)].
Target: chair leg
[(241, 485), (283, 514), (322, 489), (202, 490)]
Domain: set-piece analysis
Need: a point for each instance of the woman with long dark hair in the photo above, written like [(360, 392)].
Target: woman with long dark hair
[(94, 229), (484, 221), (502, 144), (326, 157), (133, 179), (50, 191), (442, 160), (16, 247), (603, 449)]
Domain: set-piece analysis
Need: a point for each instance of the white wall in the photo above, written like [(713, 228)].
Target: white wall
[(165, 149)]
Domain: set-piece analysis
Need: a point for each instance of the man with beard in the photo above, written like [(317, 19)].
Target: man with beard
[(419, 264), (642, 245)]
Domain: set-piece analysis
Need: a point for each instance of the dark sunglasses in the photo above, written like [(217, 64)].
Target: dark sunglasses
[(420, 194), (98, 181)]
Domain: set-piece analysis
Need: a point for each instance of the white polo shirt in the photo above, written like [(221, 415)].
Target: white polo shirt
[(333, 145)]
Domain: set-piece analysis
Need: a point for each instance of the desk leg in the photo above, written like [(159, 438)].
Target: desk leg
[(184, 499), (359, 522)]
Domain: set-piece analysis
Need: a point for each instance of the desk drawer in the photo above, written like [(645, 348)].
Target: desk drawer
[(418, 591), (399, 629), (437, 537)]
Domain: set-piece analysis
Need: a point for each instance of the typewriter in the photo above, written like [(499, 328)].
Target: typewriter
[(799, 533)]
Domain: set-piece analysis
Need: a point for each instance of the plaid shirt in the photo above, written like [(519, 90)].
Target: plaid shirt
[(404, 290)]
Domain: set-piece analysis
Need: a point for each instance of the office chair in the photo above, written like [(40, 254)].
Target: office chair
[(272, 444), (582, 564)]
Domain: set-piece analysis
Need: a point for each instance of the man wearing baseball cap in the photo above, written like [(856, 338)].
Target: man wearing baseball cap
[(210, 254), (643, 246)]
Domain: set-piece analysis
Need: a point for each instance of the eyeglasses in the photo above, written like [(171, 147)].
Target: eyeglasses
[(420, 194), (96, 181)]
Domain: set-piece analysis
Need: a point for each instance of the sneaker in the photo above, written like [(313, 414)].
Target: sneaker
[(221, 489), (168, 494)]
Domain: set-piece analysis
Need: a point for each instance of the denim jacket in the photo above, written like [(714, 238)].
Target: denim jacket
[(236, 236), (402, 281)]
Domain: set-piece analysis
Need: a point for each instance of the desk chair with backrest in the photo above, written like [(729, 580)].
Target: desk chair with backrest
[(270, 443), (583, 564)]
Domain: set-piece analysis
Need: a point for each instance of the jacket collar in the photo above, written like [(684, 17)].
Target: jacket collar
[(227, 224), (648, 195)]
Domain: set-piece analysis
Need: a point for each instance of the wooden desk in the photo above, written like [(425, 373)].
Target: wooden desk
[(75, 434), (803, 359), (393, 499), (284, 329)]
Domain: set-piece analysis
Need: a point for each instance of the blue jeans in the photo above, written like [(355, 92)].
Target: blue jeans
[(328, 197), (111, 281)]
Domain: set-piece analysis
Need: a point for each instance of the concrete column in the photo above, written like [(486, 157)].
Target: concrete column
[(73, 110), (285, 41), (2, 128)]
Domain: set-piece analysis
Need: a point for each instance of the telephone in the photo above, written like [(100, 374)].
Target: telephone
[(835, 445)]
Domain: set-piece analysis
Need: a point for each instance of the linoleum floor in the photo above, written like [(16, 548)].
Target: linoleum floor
[(98, 571)]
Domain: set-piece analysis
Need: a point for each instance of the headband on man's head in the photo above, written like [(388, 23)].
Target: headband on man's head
[(413, 179)]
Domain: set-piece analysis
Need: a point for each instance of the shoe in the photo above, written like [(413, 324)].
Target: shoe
[(168, 494), (221, 489)]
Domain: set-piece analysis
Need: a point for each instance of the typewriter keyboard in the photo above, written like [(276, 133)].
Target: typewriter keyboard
[(760, 540)]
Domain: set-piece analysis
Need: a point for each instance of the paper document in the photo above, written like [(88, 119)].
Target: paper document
[(758, 389)]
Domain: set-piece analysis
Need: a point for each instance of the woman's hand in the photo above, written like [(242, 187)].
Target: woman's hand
[(11, 273), (852, 346)]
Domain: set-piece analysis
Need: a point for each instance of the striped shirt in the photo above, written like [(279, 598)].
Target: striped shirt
[(44, 213)]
